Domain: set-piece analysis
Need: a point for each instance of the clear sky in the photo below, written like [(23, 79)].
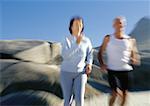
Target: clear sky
[(48, 20)]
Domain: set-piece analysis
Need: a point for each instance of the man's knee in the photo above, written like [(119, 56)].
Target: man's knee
[(125, 92), (114, 93)]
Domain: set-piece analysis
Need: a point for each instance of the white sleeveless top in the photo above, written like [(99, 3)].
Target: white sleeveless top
[(118, 53)]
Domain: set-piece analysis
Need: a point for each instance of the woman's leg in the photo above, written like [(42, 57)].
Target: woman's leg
[(79, 89), (67, 87)]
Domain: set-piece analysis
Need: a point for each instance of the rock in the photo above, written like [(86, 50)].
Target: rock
[(22, 75), (141, 73), (25, 98), (24, 70), (33, 51), (14, 46), (141, 31)]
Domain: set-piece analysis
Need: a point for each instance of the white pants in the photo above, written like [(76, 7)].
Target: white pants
[(73, 83)]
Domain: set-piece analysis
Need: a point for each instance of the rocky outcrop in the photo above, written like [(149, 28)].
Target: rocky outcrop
[(142, 73), (32, 51), (30, 74)]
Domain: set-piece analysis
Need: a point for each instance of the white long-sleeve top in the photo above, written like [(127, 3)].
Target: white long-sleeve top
[(76, 56)]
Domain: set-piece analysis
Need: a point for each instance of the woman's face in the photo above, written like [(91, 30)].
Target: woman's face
[(77, 27)]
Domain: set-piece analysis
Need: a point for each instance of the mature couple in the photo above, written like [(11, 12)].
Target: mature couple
[(77, 56)]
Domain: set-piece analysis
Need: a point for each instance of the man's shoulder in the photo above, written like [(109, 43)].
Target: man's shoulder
[(107, 37), (131, 38)]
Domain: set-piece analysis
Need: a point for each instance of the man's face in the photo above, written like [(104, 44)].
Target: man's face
[(118, 24)]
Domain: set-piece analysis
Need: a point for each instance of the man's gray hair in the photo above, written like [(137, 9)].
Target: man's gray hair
[(122, 18)]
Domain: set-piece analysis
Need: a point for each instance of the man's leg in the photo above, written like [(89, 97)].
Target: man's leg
[(124, 86), (124, 97), (113, 84), (112, 98)]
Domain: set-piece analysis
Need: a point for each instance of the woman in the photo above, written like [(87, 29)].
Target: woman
[(77, 63), (120, 49)]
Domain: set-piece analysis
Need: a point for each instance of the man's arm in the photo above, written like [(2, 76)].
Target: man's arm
[(101, 51), (135, 57)]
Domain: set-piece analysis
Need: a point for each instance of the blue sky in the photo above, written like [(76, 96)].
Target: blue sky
[(48, 20)]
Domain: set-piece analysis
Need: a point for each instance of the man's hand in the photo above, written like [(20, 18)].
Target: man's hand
[(135, 61), (88, 69), (135, 57), (103, 68)]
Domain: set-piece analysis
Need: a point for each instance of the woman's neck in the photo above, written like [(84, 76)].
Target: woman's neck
[(76, 35)]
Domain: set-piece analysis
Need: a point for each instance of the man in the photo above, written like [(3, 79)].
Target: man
[(121, 51)]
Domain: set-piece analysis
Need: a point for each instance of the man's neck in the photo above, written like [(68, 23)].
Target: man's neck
[(119, 34)]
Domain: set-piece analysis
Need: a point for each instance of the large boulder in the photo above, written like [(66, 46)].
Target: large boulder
[(31, 98), (30, 74), (141, 73), (33, 51)]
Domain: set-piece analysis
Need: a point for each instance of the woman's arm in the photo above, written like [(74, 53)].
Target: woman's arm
[(89, 58), (68, 48)]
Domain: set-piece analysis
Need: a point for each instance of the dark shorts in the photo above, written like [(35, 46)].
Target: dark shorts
[(118, 79)]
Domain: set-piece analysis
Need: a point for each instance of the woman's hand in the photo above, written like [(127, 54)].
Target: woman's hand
[(88, 69), (79, 38)]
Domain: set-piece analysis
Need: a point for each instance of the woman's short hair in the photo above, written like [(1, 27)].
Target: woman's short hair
[(72, 20)]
